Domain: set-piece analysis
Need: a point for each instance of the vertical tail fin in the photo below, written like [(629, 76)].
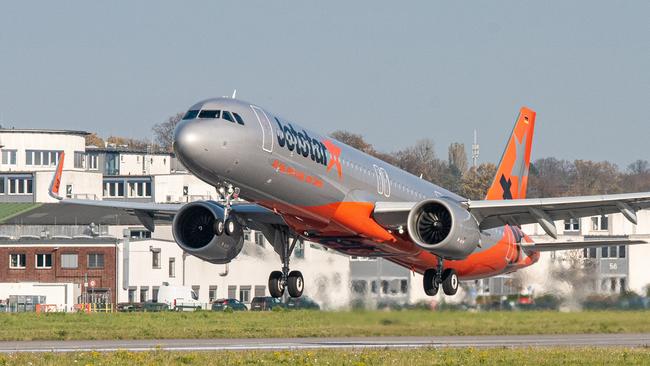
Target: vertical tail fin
[(511, 179)]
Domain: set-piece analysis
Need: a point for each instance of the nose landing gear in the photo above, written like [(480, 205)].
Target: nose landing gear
[(434, 277)]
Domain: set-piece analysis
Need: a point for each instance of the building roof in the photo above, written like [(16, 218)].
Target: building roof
[(126, 150), (45, 131)]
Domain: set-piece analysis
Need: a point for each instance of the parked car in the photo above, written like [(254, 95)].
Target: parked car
[(130, 306), (303, 302), (178, 298), (151, 306), (263, 303), (223, 304)]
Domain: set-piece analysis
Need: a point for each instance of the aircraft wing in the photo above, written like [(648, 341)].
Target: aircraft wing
[(492, 213), (579, 244), (149, 212)]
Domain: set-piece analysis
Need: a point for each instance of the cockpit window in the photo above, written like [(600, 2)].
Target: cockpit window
[(209, 114), (191, 114), (238, 118), (227, 116)]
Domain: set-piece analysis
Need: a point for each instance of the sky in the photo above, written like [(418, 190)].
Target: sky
[(394, 72)]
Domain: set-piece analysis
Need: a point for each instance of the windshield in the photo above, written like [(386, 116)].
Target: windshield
[(194, 295)]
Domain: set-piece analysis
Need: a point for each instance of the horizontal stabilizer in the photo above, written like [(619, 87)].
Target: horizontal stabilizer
[(568, 245)]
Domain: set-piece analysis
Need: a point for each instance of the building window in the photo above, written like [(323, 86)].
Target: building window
[(245, 294), (155, 258), (22, 185), (132, 294), (44, 157), (96, 260), (172, 267), (2, 185), (589, 252), (154, 293), (8, 157), (17, 260), (69, 260), (600, 223), (144, 293), (259, 238), (359, 287), (404, 286), (93, 162), (212, 293), (44, 260), (140, 189), (572, 225), (79, 160), (140, 234), (232, 292), (113, 189), (604, 252), (621, 251), (195, 290), (299, 251)]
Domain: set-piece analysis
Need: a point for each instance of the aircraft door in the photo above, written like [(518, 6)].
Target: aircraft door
[(267, 130)]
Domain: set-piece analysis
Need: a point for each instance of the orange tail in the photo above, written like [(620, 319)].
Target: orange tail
[(511, 179)]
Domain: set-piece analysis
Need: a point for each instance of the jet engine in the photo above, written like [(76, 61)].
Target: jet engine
[(198, 229), (444, 228)]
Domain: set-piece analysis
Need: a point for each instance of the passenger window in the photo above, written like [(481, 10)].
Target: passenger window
[(227, 116), (238, 118), (191, 114), (209, 114)]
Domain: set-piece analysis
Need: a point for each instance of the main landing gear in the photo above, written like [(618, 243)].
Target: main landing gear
[(434, 277), (291, 280)]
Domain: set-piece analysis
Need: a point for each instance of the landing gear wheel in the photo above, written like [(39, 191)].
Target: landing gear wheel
[(230, 226), (295, 284), (449, 282), (218, 227), (276, 284), (430, 282)]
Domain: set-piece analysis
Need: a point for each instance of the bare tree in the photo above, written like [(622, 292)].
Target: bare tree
[(458, 157), (164, 132), (94, 140), (476, 181)]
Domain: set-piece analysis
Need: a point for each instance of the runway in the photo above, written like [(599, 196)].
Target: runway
[(571, 340)]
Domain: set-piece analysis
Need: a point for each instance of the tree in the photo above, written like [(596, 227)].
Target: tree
[(94, 140), (595, 178), (550, 177), (476, 181), (637, 177), (130, 143), (164, 132), (458, 157)]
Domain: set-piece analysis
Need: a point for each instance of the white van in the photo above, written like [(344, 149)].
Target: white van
[(178, 298)]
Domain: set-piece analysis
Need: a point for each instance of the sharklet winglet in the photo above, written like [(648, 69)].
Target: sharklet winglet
[(56, 179)]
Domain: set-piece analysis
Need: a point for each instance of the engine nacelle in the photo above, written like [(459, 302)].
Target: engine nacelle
[(444, 228), (194, 229)]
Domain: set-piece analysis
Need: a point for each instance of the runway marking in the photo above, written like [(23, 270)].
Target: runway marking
[(288, 344)]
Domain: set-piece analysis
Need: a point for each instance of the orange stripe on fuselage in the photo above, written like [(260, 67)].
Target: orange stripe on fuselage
[(353, 221)]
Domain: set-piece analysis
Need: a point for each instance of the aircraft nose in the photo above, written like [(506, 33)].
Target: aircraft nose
[(188, 140)]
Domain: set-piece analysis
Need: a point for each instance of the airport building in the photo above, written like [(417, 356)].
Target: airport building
[(98, 255)]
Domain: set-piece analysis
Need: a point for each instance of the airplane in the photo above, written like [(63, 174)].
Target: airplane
[(299, 185)]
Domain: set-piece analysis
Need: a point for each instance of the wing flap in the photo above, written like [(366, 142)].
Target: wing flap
[(568, 245)]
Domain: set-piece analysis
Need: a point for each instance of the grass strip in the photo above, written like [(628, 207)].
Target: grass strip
[(497, 356), (206, 324)]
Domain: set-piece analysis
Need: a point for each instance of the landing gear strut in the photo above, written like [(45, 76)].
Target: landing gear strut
[(434, 277), (228, 225), (291, 280)]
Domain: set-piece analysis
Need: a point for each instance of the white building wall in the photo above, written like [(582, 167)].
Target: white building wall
[(85, 185), (62, 295), (326, 273), (22, 141), (169, 188), (144, 164)]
